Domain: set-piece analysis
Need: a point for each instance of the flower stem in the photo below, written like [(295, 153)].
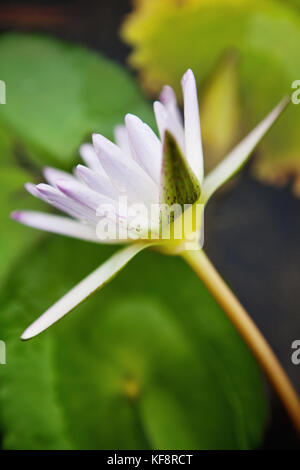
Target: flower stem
[(248, 330)]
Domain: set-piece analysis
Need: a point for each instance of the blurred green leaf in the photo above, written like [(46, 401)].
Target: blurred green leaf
[(7, 156), (15, 239), (57, 94), (141, 365), (220, 124), (295, 3), (170, 36)]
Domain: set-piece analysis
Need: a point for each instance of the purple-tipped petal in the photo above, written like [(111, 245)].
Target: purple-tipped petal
[(146, 147), (16, 215), (56, 224), (95, 281), (193, 144), (98, 204), (58, 200), (54, 197)]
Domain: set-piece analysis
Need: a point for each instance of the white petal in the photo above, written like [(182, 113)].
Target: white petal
[(126, 175), (95, 281), (32, 189), (53, 174), (81, 194), (239, 155), (90, 158), (146, 147), (122, 139), (166, 120), (161, 118), (95, 181), (54, 197), (168, 98), (98, 204), (193, 144), (56, 224)]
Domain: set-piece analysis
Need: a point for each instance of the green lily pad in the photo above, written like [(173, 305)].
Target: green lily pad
[(15, 239), (57, 94), (150, 362), (169, 36), (220, 124), (7, 155)]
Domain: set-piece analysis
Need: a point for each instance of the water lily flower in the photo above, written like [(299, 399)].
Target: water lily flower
[(146, 169)]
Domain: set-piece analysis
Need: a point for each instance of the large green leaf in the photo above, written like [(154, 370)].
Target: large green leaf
[(150, 362), (14, 238), (220, 125), (58, 94), (170, 36), (7, 151)]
